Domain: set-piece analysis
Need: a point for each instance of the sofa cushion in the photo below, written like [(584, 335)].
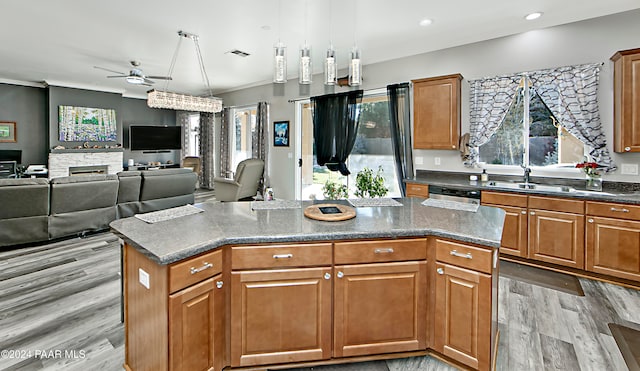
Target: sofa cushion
[(73, 193), (167, 183), (24, 198), (129, 188)]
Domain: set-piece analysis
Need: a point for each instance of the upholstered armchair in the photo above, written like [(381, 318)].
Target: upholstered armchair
[(244, 183)]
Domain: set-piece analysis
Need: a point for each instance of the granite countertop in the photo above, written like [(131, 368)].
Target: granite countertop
[(628, 193), (225, 223)]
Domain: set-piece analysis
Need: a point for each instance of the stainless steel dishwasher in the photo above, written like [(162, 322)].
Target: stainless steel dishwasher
[(451, 193)]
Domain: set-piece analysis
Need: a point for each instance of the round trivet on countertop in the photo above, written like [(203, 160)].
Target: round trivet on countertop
[(330, 212)]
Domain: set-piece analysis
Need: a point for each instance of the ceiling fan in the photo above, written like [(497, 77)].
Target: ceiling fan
[(135, 75)]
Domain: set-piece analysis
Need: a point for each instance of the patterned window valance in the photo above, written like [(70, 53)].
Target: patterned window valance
[(570, 93)]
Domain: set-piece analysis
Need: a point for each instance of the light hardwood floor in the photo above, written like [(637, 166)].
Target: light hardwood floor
[(65, 296)]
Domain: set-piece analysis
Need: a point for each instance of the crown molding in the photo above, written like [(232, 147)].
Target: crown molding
[(22, 83), (64, 84)]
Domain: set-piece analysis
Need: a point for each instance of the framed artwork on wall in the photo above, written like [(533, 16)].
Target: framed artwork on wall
[(8, 132), (83, 124), (281, 133)]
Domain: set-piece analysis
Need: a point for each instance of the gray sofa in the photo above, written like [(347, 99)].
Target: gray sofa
[(24, 210), (34, 210)]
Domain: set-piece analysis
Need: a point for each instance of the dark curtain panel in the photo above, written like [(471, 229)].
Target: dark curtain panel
[(207, 149), (225, 155), (259, 141), (400, 123), (335, 126)]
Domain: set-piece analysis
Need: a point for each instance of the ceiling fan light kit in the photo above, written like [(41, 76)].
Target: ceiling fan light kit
[(184, 102)]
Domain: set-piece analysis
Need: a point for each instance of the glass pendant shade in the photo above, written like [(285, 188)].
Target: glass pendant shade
[(280, 63), (330, 67), (306, 71), (355, 68)]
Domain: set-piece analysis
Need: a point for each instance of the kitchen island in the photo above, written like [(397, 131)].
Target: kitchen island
[(232, 287)]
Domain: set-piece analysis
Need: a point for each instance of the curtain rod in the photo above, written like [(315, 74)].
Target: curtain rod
[(368, 90)]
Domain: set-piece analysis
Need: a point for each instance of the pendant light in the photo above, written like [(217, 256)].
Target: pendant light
[(355, 63), (305, 68), (279, 56), (330, 64)]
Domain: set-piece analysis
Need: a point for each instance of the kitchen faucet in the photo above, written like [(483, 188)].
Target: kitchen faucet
[(527, 173)]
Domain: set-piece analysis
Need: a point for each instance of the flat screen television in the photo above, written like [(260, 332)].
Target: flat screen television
[(154, 138), (11, 155)]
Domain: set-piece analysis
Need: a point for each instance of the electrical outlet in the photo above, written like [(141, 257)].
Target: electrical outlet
[(143, 277), (629, 169), (436, 161), (419, 160)]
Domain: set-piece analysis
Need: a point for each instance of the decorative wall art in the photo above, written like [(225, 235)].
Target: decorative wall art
[(281, 133), (8, 132), (80, 124)]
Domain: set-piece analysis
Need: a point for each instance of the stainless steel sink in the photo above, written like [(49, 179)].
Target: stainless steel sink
[(531, 186)]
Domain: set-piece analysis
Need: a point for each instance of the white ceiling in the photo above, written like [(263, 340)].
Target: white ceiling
[(61, 41)]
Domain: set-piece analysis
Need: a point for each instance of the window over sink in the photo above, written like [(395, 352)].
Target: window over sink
[(530, 135)]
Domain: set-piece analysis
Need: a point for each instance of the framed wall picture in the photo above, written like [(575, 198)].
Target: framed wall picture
[(281, 133), (8, 132)]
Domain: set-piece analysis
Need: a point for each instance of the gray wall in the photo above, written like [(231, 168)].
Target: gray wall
[(587, 41), (136, 112), (27, 107)]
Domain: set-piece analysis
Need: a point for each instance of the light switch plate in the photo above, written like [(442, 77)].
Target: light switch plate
[(143, 277), (629, 169), (419, 160), (436, 161)]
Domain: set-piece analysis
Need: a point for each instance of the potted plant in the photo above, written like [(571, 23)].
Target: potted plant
[(370, 185), (334, 191)]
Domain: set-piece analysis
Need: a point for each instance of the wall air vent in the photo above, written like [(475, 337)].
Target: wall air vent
[(239, 53)]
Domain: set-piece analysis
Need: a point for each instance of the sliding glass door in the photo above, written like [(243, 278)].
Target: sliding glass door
[(373, 149)]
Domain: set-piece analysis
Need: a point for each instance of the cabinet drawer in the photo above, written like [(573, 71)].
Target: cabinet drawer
[(380, 251), (556, 204), (502, 198), (611, 210), (194, 270), (278, 256), (417, 190), (464, 256)]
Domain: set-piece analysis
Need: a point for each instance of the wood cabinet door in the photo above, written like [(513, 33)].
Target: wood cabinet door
[(196, 326), (436, 112), (463, 315), (514, 232), (417, 190), (380, 308), (627, 101), (280, 316), (556, 237), (613, 247)]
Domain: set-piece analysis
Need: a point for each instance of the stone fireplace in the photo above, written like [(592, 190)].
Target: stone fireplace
[(87, 161)]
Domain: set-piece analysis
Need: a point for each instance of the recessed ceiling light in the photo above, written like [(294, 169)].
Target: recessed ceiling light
[(425, 22), (532, 16)]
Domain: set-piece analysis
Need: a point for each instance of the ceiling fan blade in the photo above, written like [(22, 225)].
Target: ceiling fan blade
[(117, 76), (145, 84), (108, 70), (160, 77), (148, 82)]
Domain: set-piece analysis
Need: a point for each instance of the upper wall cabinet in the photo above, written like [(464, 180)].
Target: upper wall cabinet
[(626, 112), (436, 112)]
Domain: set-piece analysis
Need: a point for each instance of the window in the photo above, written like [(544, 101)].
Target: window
[(193, 135), (241, 133), (530, 135), (373, 148)]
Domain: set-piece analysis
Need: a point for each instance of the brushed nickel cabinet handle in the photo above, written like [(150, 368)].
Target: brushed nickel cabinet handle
[(283, 256), (205, 265), (340, 274), (627, 149), (623, 210), (532, 213), (219, 284), (327, 276), (388, 250), (440, 271), (590, 220), (461, 255), (524, 211)]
